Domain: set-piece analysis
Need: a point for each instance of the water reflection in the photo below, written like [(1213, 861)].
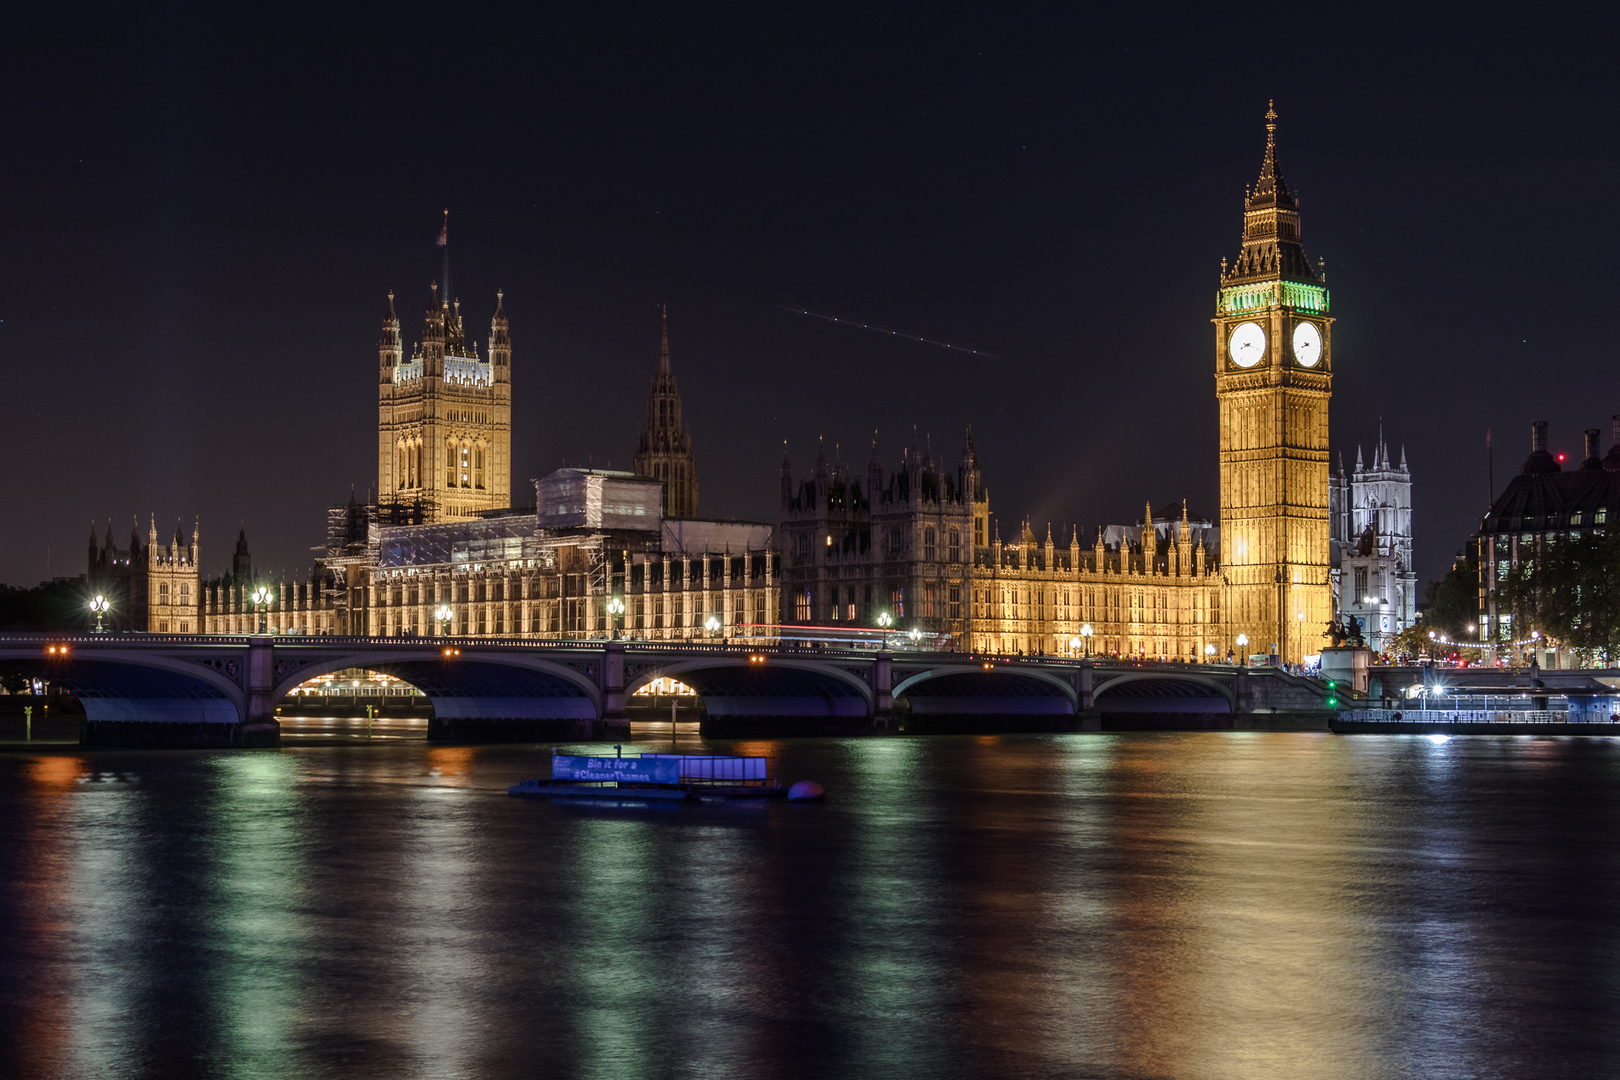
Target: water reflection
[(1201, 906)]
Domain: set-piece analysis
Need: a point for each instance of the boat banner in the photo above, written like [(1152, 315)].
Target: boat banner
[(624, 770)]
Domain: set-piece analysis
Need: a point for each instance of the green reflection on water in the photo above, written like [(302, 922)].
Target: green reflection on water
[(257, 885)]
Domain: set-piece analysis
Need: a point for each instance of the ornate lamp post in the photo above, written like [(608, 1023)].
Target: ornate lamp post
[(615, 609), (884, 622), (1085, 634), (1243, 649), (712, 625), (1209, 652), (443, 614), (99, 605), (261, 598)]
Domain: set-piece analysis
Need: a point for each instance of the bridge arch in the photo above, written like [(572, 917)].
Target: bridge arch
[(1000, 689), (142, 686), (736, 685), (472, 684), (1164, 691)]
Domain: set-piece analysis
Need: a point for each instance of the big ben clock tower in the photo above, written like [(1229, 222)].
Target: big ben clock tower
[(1273, 379)]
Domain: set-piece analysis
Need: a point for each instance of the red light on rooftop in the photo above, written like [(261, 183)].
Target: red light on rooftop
[(1560, 459)]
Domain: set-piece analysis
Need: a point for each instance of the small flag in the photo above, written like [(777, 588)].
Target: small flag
[(444, 236)]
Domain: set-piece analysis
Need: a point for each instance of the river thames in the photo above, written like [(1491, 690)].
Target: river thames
[(1263, 906)]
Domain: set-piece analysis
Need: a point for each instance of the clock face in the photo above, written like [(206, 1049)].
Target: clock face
[(1247, 345), (1307, 344)]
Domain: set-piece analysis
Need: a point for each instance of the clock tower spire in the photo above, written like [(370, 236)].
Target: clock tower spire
[(1273, 380)]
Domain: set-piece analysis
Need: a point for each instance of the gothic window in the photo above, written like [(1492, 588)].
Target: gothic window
[(956, 545), (449, 464), (399, 465), (978, 532), (801, 606), (894, 543), (928, 545), (953, 597), (759, 608), (163, 593), (928, 601), (478, 468)]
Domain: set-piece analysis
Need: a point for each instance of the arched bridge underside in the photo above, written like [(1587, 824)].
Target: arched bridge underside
[(512, 690), (1142, 692), (970, 690)]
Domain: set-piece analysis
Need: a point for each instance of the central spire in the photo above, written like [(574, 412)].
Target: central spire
[(1271, 232), (663, 341), (1271, 189)]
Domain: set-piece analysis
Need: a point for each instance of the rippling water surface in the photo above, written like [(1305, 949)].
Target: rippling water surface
[(1188, 906)]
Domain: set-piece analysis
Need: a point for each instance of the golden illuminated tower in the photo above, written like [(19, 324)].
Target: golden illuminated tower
[(444, 424), (1273, 379)]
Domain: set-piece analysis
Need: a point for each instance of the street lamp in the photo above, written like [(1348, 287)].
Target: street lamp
[(1243, 649), (1209, 652), (712, 625), (884, 622), (99, 605), (444, 615), (615, 607), (1074, 643), (261, 597), (1085, 634)]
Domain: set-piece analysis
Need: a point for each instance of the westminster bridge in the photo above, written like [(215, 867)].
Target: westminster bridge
[(151, 689)]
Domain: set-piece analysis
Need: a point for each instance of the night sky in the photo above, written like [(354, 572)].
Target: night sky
[(205, 216)]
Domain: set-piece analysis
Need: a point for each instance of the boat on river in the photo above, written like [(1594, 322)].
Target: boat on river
[(684, 777)]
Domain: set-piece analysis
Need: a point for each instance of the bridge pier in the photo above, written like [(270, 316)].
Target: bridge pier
[(882, 691), (260, 728), (611, 681)]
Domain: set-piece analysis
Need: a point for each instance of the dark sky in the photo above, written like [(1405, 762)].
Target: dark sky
[(204, 218)]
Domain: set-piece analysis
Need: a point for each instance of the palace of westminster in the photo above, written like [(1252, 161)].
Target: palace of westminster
[(914, 550)]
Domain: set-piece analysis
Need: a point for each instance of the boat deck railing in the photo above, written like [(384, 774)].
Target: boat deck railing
[(717, 769), (1469, 716)]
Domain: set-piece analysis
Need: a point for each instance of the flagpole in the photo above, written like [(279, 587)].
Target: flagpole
[(444, 242)]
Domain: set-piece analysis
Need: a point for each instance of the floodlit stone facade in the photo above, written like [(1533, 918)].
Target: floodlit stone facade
[(917, 550), (149, 587), (444, 418)]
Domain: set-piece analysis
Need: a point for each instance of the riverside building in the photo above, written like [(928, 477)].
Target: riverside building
[(1544, 503), (602, 553), (919, 547), (151, 587)]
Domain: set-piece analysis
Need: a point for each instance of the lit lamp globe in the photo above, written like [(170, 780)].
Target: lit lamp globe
[(444, 615), (99, 605), (712, 625)]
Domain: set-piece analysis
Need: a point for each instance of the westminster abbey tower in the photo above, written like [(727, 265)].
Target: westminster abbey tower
[(1273, 379), (444, 417)]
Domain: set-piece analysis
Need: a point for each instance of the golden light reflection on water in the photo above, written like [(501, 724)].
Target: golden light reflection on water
[(45, 1019), (1199, 906)]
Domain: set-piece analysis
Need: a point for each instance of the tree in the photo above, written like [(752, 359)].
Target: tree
[(1451, 605), (1569, 591)]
